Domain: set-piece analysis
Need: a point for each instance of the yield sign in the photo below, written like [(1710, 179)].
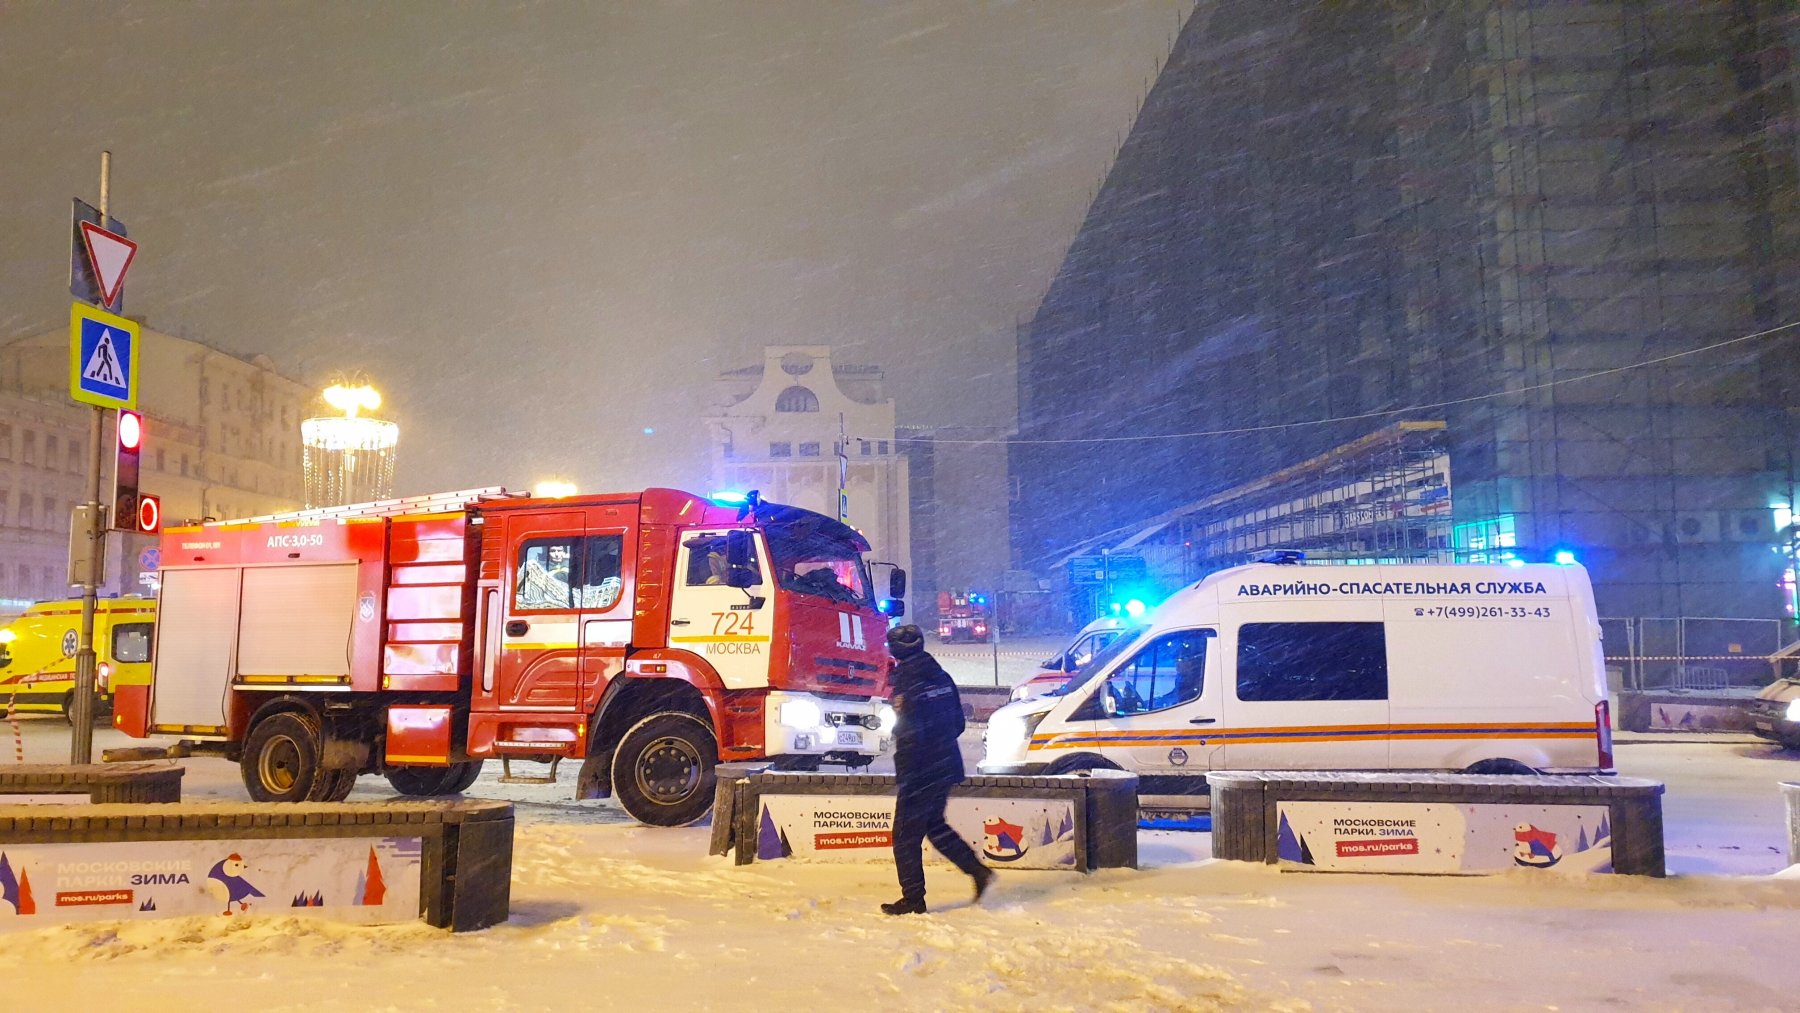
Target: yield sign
[(110, 254)]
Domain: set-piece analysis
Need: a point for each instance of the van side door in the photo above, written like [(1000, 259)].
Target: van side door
[(1309, 695), (1157, 712)]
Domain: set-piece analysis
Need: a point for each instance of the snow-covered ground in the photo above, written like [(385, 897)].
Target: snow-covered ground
[(628, 918), (606, 913)]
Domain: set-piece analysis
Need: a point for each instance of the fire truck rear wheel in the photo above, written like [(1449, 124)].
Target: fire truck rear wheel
[(333, 785), (663, 769), (419, 782), (464, 776), (281, 758)]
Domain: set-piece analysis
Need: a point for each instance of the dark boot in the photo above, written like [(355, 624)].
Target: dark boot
[(904, 906), (984, 878)]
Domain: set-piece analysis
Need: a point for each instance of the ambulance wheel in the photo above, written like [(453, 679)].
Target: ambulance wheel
[(102, 709), (1498, 765), (663, 769), (419, 782), (281, 759)]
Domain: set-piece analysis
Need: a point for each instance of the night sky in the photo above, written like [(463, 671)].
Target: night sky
[(542, 228)]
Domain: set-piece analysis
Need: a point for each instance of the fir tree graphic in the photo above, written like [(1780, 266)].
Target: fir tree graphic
[(374, 888)]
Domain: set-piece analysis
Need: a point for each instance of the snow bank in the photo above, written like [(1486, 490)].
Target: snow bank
[(634, 918)]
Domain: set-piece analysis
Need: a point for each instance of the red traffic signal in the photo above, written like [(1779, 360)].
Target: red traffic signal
[(149, 514), (131, 431), (126, 462)]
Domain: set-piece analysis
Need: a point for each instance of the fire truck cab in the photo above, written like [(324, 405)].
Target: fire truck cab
[(648, 635)]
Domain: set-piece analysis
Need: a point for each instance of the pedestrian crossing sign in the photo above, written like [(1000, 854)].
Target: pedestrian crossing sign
[(103, 358)]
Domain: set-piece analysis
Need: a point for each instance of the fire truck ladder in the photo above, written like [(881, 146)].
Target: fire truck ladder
[(442, 502)]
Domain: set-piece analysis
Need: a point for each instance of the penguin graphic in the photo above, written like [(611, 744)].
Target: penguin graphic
[(228, 886)]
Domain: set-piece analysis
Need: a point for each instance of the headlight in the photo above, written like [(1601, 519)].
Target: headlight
[(1020, 692), (1008, 736), (889, 718), (801, 714), (1793, 711)]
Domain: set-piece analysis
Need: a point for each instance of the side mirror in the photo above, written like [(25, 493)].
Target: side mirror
[(897, 584), (740, 572), (893, 608), (1107, 703)]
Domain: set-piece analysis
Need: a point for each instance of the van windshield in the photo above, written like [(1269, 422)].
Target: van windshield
[(1101, 659)]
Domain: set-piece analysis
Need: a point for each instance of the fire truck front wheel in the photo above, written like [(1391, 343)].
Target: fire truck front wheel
[(280, 761), (663, 769)]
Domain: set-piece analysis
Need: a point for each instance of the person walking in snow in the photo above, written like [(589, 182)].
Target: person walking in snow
[(927, 764)]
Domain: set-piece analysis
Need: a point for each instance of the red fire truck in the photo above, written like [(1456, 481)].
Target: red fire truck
[(963, 616), (648, 635)]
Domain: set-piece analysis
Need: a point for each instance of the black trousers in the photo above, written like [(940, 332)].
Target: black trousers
[(918, 814)]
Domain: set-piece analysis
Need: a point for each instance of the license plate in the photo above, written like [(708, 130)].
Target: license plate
[(846, 737)]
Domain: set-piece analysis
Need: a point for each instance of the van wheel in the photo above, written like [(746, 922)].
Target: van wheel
[(663, 769), (280, 762), (1498, 765), (1079, 762)]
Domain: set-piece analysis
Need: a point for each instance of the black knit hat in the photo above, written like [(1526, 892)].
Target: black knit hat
[(905, 641)]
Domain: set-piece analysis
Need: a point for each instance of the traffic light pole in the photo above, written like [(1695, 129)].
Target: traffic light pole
[(81, 711)]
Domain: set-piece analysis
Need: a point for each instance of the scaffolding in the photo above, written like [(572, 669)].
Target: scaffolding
[(1383, 498)]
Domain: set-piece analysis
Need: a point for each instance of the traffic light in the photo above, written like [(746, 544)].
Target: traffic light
[(149, 514), (130, 430)]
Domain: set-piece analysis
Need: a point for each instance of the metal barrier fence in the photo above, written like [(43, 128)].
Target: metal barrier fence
[(1696, 653)]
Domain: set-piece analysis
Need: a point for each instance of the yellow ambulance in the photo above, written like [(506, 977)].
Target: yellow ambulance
[(37, 652)]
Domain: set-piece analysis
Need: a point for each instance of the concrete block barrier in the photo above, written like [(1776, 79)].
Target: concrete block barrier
[(1074, 822), (1428, 823), (449, 862), (68, 783)]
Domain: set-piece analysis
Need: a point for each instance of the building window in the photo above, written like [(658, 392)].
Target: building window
[(26, 519), (184, 465), (863, 448), (881, 448), (52, 446), (5, 441), (24, 577), (159, 459), (810, 449), (797, 399), (30, 447), (74, 456), (781, 449), (5, 499), (49, 511), (1487, 541), (49, 578)]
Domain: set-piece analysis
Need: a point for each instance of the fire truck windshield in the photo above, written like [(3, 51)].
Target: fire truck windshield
[(813, 562)]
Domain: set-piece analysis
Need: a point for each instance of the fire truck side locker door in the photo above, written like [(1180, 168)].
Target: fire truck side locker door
[(540, 641)]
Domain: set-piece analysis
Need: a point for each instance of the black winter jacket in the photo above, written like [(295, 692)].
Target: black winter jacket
[(931, 718)]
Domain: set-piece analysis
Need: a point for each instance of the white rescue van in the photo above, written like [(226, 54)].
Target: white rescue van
[(1492, 669)]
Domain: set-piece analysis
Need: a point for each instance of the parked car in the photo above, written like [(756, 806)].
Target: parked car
[(1775, 713)]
